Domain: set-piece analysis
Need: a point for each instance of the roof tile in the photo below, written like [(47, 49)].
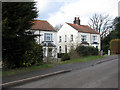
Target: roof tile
[(83, 28), (42, 25)]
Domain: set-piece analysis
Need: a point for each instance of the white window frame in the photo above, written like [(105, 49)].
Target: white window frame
[(60, 39), (47, 36), (71, 37), (83, 38), (94, 39)]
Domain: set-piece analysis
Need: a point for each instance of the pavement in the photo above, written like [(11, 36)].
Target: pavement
[(57, 68)]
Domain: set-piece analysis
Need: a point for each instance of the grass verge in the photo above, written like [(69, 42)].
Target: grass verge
[(27, 69), (83, 59)]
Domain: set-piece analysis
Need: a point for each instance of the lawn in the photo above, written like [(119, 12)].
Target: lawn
[(83, 59), (36, 67), (25, 69)]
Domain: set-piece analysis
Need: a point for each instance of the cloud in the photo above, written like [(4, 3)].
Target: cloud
[(42, 5), (84, 9)]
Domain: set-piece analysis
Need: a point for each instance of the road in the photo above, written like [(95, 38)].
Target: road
[(103, 75)]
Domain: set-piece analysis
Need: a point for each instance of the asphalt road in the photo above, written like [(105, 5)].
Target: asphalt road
[(103, 75)]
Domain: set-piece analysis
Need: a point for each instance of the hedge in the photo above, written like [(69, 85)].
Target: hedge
[(65, 57), (114, 46), (86, 50)]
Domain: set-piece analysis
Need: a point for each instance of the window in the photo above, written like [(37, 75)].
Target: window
[(60, 39), (94, 39), (47, 37), (83, 38), (60, 50), (71, 37), (65, 38)]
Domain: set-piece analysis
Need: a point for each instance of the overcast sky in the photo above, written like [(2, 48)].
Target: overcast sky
[(61, 11)]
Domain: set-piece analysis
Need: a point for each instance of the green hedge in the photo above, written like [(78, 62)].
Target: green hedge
[(60, 55), (66, 56), (114, 46), (86, 50)]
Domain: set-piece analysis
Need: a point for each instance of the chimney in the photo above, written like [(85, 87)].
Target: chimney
[(76, 21)]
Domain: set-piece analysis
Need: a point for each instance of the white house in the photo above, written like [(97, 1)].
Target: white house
[(71, 35), (46, 37)]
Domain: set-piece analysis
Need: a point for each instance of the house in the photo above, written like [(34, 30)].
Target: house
[(46, 34), (71, 35)]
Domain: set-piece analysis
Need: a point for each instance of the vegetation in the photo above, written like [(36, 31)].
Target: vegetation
[(34, 56), (17, 43), (86, 50), (25, 69), (100, 23), (83, 59), (105, 42), (43, 66), (65, 57), (114, 46)]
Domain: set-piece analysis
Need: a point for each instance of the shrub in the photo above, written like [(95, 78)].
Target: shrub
[(86, 50), (114, 46), (65, 57), (34, 56), (60, 55)]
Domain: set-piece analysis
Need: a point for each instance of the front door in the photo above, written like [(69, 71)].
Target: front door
[(65, 48)]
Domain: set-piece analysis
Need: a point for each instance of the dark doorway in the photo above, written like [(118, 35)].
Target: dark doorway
[(65, 48)]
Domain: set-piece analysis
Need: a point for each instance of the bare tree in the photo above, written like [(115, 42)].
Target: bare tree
[(101, 24), (58, 27)]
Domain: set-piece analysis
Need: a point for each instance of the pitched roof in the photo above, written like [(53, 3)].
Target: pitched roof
[(83, 28), (42, 25)]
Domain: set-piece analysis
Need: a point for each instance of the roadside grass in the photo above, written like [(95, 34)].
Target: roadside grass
[(25, 69), (83, 59), (43, 66)]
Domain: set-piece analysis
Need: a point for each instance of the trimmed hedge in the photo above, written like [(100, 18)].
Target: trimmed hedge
[(86, 50), (114, 46)]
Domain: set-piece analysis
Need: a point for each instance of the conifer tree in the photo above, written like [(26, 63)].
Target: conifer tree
[(17, 17)]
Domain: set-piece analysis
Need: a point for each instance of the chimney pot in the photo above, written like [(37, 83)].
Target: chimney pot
[(76, 21)]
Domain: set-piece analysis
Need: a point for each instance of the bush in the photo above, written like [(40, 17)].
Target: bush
[(34, 56), (65, 57), (114, 46), (60, 55), (86, 50)]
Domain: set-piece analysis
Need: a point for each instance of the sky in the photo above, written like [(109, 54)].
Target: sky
[(60, 11)]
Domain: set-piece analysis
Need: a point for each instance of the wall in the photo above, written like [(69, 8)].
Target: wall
[(67, 30)]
